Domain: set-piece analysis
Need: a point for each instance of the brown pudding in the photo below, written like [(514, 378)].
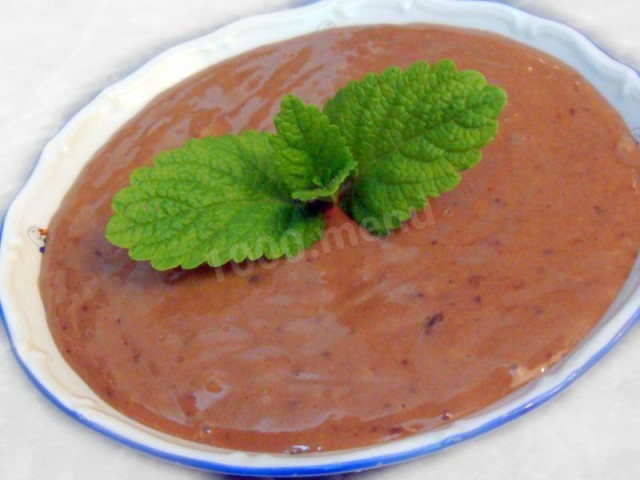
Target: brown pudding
[(362, 340)]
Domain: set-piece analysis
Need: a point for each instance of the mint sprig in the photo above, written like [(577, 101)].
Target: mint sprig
[(381, 147)]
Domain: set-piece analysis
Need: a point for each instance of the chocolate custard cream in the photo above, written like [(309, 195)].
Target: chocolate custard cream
[(360, 340)]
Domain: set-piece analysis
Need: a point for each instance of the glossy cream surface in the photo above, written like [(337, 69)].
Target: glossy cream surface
[(361, 340)]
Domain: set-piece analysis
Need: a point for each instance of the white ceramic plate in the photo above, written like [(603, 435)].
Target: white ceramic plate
[(65, 155)]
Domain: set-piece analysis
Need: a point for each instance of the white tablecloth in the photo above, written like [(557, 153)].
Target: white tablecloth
[(57, 55)]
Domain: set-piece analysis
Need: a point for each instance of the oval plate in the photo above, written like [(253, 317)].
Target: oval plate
[(82, 136)]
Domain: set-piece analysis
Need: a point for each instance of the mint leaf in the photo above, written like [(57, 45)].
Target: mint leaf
[(411, 132), (212, 201), (311, 155)]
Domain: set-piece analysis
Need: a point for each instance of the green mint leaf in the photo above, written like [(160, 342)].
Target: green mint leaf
[(411, 132), (213, 201), (312, 157)]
